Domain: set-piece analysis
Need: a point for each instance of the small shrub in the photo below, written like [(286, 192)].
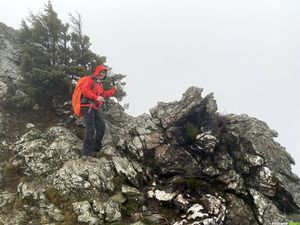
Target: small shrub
[(192, 131), (194, 183), (43, 86)]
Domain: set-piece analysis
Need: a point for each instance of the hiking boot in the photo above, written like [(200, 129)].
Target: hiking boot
[(97, 149)]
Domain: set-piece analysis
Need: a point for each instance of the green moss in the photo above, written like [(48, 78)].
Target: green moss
[(195, 184), (192, 130), (129, 208), (178, 180)]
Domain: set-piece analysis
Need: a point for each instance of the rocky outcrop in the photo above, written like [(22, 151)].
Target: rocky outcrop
[(182, 164)]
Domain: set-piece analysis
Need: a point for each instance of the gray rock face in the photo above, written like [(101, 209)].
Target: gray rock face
[(96, 212), (42, 152), (9, 71), (210, 152), (15, 217), (85, 177), (3, 89), (194, 165), (85, 214)]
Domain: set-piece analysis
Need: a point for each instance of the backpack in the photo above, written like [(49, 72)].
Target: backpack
[(77, 95)]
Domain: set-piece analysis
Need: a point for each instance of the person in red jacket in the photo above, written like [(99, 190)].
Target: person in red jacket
[(93, 95)]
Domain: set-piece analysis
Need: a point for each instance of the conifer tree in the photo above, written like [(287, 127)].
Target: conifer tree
[(80, 43), (45, 54), (51, 56)]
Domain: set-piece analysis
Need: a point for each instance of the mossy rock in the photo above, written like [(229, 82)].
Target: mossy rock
[(54, 196), (192, 130), (129, 208)]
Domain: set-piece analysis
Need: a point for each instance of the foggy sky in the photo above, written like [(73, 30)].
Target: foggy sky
[(246, 52)]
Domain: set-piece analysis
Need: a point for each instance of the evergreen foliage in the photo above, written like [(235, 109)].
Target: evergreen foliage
[(52, 55)]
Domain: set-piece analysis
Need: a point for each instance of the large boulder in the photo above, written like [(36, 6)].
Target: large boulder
[(41, 152)]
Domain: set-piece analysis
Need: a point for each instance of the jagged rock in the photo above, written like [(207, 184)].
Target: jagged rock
[(169, 114), (238, 212), (224, 160), (212, 210), (130, 190), (3, 89), (194, 157), (125, 167), (267, 212), (108, 211), (206, 142), (6, 197), (35, 192), (176, 160), (85, 213), (119, 198), (27, 189), (97, 212), (132, 193), (13, 218), (54, 213), (44, 152), (256, 150), (232, 181), (164, 196), (255, 137), (180, 199), (194, 212), (85, 176)]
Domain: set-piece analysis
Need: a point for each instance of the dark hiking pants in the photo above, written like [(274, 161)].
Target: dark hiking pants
[(94, 131)]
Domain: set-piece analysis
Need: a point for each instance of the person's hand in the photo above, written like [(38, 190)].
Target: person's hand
[(116, 87), (100, 99)]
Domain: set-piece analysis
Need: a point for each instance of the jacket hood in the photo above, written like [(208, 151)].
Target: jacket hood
[(99, 69)]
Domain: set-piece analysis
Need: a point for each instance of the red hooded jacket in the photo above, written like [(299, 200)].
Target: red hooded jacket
[(93, 91)]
